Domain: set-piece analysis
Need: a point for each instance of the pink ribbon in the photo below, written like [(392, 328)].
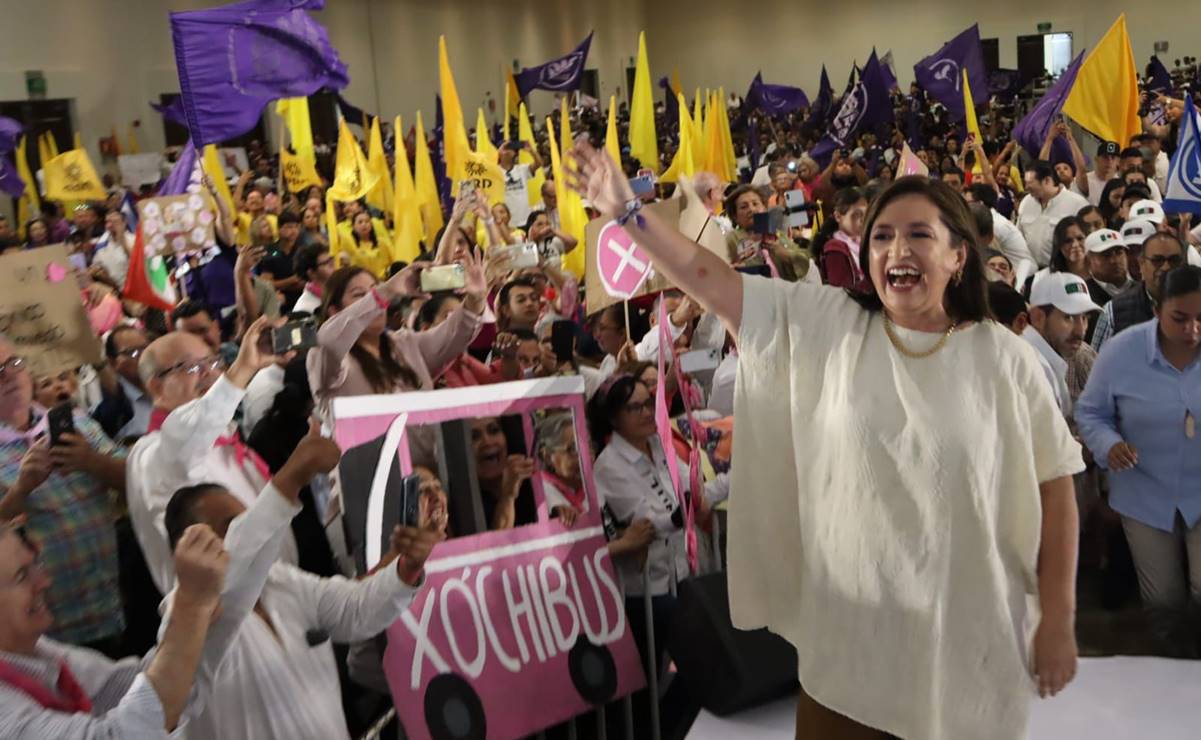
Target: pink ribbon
[(242, 452), (688, 504)]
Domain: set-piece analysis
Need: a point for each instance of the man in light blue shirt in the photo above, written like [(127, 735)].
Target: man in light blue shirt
[(1138, 416)]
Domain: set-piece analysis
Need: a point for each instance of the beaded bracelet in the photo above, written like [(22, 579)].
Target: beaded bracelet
[(632, 209)]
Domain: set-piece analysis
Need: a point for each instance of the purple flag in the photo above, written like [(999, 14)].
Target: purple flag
[(182, 173), (172, 111), (10, 135), (890, 75), (671, 106), (1032, 130), (235, 59), (941, 73), (1160, 80), (558, 75), (353, 114), (867, 105), (821, 107), (775, 100)]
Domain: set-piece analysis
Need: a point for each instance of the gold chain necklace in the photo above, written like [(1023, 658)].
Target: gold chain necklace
[(900, 346)]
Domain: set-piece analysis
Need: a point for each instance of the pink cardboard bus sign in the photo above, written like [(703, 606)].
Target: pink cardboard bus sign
[(513, 631)]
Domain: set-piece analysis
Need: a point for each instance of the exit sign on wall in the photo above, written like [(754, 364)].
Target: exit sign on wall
[(1044, 28)]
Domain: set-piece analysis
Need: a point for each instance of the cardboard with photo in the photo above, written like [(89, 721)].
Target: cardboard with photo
[(42, 313), (465, 645)]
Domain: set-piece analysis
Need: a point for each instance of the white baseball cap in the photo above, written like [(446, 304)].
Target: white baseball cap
[(1135, 232), (1103, 240), (1064, 291), (1147, 210)]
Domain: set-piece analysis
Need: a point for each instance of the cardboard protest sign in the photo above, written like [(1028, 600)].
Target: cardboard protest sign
[(177, 223), (140, 169), (514, 630), (41, 311)]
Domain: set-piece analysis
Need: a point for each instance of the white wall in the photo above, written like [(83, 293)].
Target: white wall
[(114, 56)]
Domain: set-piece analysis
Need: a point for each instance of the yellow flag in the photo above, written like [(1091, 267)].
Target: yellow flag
[(71, 176), (78, 141), (211, 164), (298, 172), (611, 142), (295, 112), (353, 178), (1104, 99), (572, 217), (381, 196), (525, 132), (727, 139), (406, 216), (133, 140), (512, 99), (28, 205), (483, 140), (715, 151), (426, 188), (969, 110), (45, 153), (682, 163), (676, 86), (698, 129), (644, 144), (454, 135)]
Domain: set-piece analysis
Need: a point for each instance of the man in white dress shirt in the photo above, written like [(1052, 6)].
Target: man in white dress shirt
[(191, 438), (1007, 237), (113, 249), (1091, 184), (51, 690), (1046, 205), (280, 679), (1059, 309)]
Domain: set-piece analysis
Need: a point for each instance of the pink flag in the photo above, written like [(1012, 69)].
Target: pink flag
[(910, 164)]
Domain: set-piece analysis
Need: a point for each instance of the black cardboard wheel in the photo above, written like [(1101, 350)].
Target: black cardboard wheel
[(593, 671), (453, 711)]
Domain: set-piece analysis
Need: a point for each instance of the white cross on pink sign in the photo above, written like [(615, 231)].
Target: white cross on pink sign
[(622, 265)]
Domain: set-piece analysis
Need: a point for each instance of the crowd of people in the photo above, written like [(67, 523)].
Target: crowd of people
[(1006, 325)]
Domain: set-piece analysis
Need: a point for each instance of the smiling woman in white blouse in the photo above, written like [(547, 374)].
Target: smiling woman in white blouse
[(904, 505)]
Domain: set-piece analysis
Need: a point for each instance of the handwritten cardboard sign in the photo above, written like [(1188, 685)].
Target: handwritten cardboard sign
[(177, 223), (514, 630), (41, 311), (140, 169)]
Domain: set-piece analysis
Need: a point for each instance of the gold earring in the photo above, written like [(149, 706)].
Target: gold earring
[(959, 276)]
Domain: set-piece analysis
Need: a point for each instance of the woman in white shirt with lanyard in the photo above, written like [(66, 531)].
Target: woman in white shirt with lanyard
[(905, 509)]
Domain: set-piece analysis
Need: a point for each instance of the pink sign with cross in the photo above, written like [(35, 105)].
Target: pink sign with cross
[(622, 265)]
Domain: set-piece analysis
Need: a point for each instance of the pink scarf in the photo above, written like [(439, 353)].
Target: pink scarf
[(241, 451), (71, 699)]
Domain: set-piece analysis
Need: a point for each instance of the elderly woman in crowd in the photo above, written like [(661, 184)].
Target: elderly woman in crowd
[(902, 580)]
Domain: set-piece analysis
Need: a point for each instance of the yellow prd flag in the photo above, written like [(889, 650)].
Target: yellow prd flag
[(572, 217), (487, 175), (211, 164), (525, 132), (406, 216), (28, 205), (1104, 98), (512, 99), (295, 112), (612, 144), (352, 180), (715, 151), (683, 163), (454, 135), (969, 110), (483, 140), (297, 171), (381, 196), (133, 140), (644, 144), (426, 188), (71, 176)]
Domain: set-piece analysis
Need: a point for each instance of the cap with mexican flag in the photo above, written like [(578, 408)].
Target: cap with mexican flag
[(148, 281)]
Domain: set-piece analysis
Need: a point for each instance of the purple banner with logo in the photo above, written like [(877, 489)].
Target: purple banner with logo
[(941, 73), (557, 75), (10, 136), (235, 59), (775, 100), (867, 104)]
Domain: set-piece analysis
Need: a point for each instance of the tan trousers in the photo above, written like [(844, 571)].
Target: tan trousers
[(816, 722)]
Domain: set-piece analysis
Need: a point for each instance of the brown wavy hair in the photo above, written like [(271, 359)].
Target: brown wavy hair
[(384, 373)]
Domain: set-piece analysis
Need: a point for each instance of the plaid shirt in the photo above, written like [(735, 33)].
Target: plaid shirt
[(70, 516)]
